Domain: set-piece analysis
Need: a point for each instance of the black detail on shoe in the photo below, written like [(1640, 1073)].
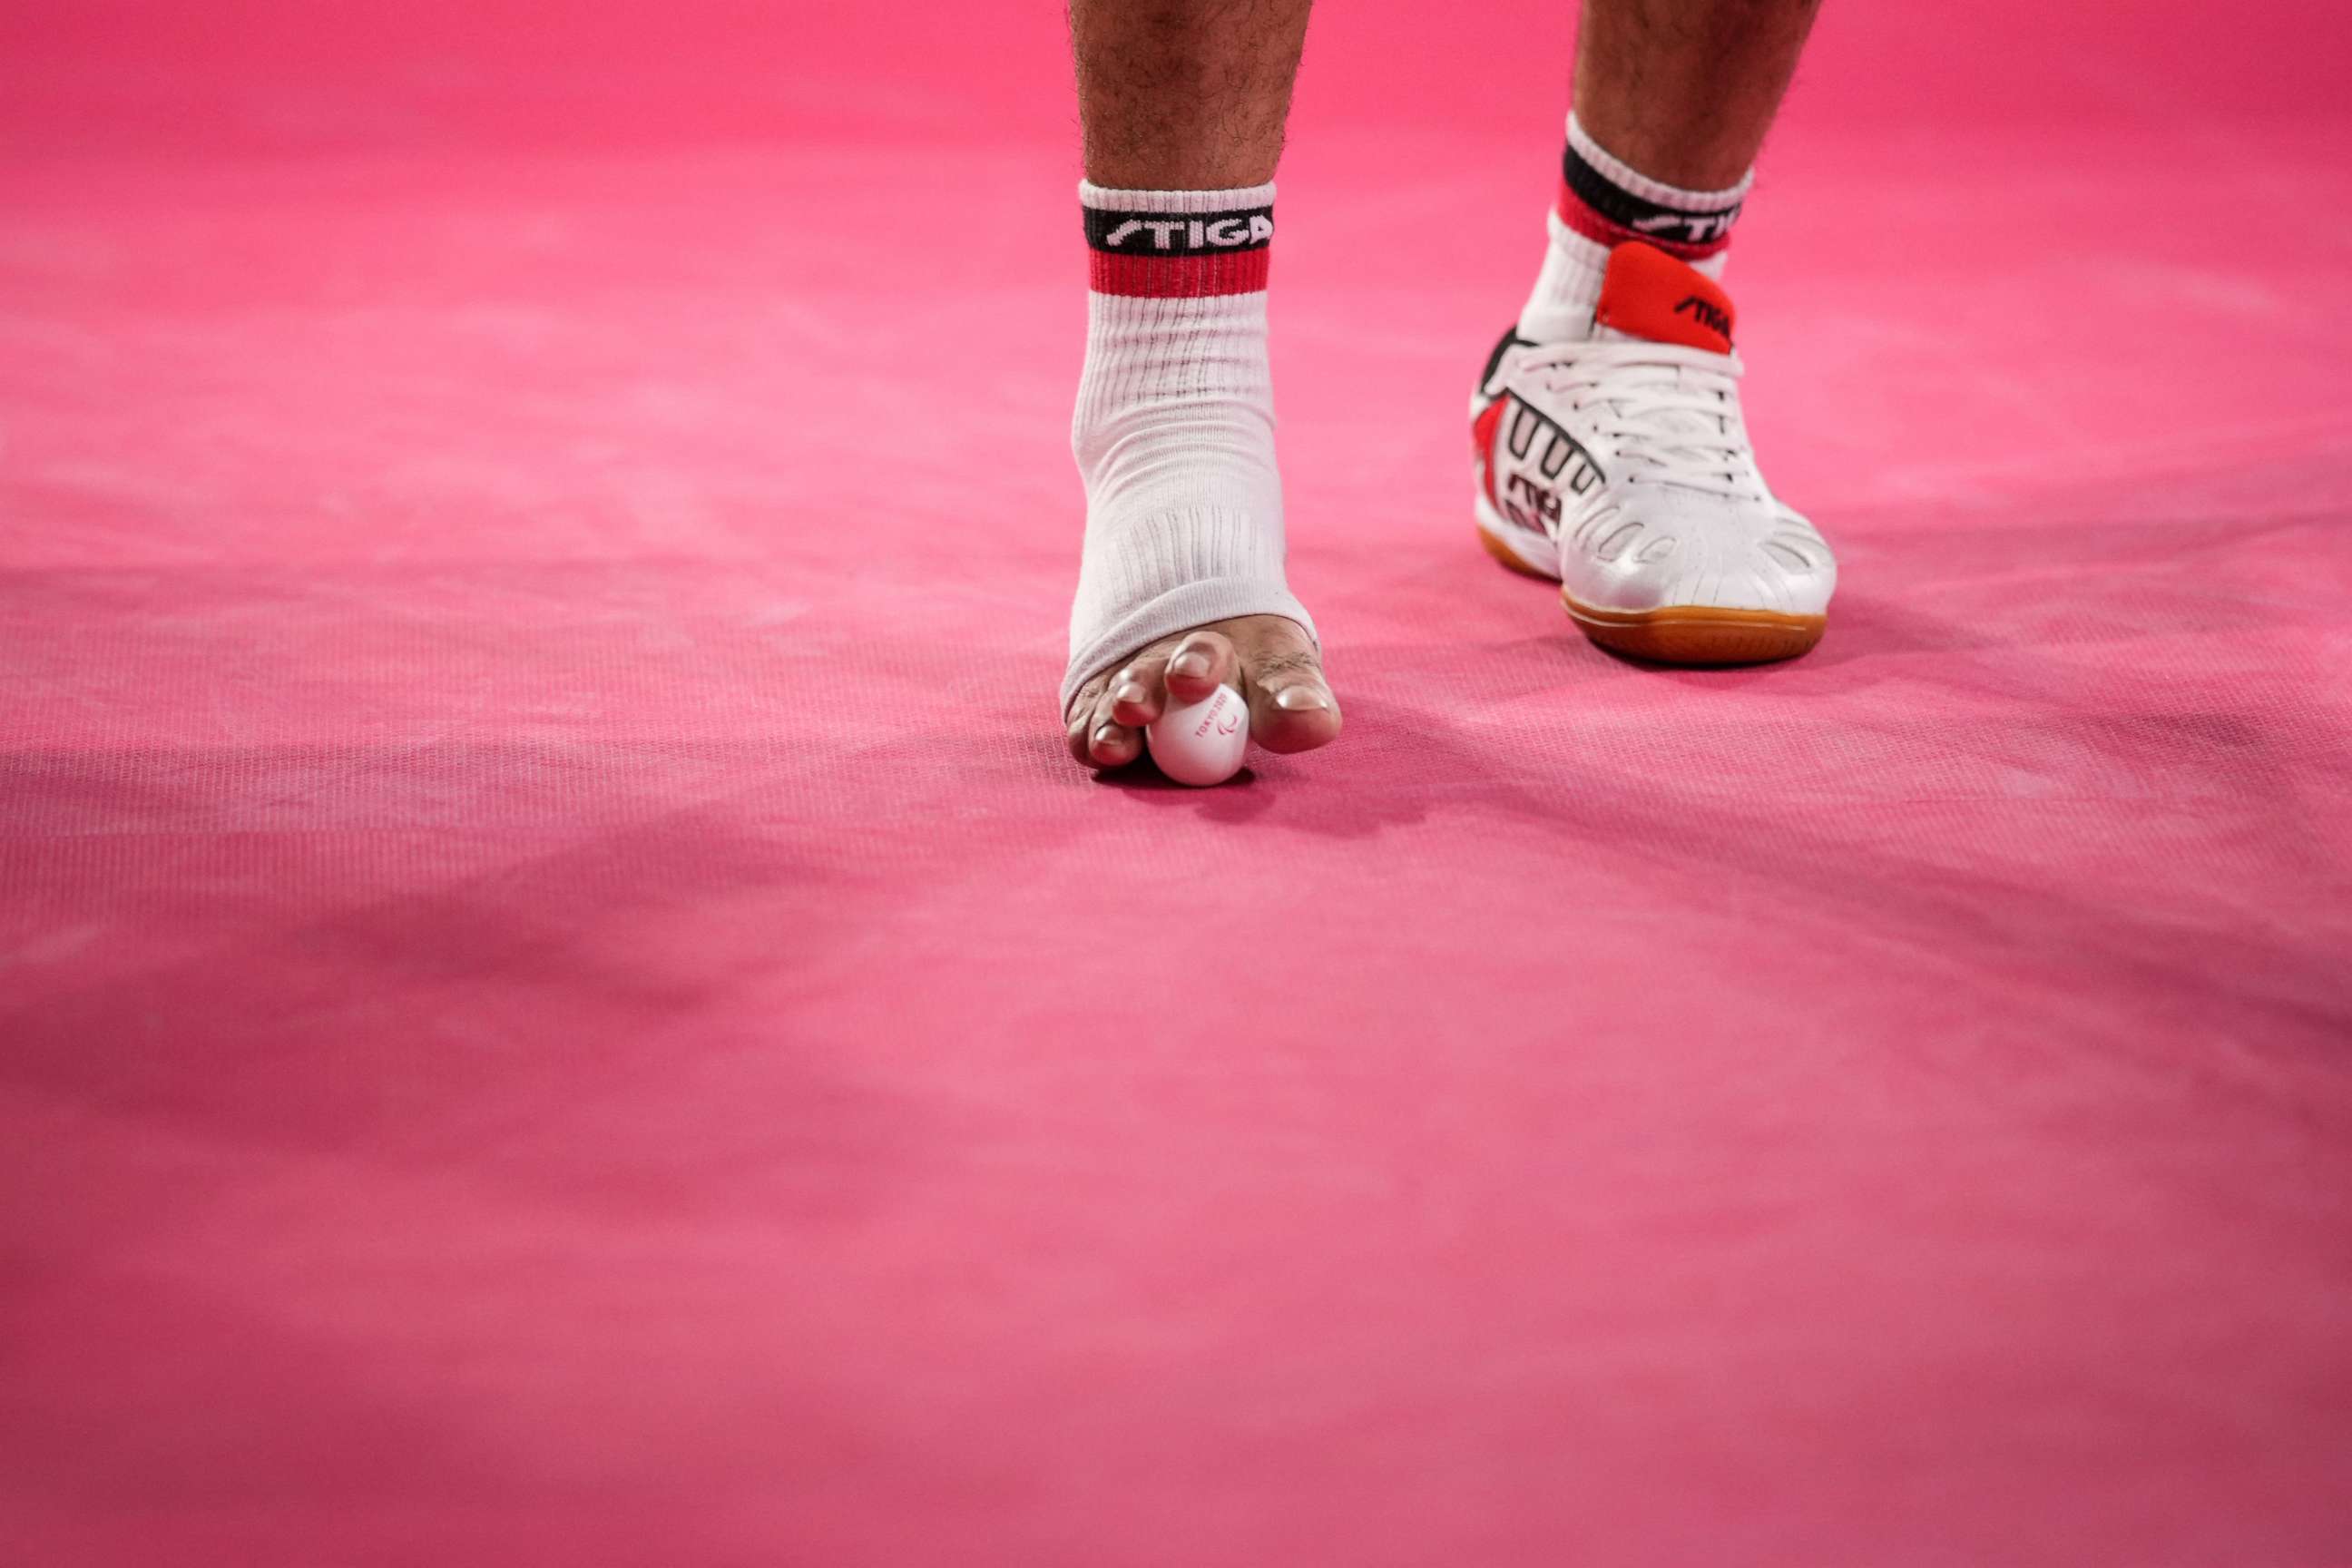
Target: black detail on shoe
[(1559, 458), (1503, 345), (1532, 506)]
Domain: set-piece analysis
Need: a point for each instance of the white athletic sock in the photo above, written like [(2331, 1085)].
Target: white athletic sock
[(1603, 202), (1174, 428)]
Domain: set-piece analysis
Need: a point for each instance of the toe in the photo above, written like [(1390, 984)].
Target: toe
[(1138, 692), (1198, 664), (1291, 705), (1109, 743), (1113, 745), (1079, 727)]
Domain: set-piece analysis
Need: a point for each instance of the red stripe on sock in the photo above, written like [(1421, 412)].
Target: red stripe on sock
[(1593, 227), (1177, 277)]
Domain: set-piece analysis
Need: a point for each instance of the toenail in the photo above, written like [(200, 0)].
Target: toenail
[(1131, 693), (1192, 664), (1107, 735), (1300, 700)]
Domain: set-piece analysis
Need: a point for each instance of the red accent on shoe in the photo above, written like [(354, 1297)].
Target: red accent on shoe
[(1600, 231), (1648, 294), (1482, 447), (1177, 277)]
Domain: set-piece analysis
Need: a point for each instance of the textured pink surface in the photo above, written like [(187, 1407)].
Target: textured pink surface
[(562, 1003)]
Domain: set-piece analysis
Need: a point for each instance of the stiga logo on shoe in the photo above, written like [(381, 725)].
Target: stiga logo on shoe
[(1707, 314), (1178, 234), (1645, 293)]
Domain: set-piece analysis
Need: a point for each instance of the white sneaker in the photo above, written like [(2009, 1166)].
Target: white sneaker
[(1619, 465)]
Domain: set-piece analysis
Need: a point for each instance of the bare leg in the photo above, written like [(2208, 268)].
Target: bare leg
[(1192, 95), (1185, 95), (1684, 89)]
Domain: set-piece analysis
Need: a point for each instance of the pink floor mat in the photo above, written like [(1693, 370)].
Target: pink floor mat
[(560, 1000)]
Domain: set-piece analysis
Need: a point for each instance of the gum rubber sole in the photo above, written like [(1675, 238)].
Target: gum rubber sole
[(1503, 553), (1678, 634), (1698, 633)]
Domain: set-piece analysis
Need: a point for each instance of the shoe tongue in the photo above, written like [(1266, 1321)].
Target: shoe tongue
[(1646, 293)]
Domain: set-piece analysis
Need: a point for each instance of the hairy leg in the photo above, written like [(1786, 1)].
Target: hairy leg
[(1185, 95), (1684, 89), (1179, 95)]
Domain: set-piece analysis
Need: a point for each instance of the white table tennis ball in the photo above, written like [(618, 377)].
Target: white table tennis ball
[(1202, 743)]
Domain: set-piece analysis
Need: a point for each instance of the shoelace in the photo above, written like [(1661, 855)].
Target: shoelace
[(1670, 411)]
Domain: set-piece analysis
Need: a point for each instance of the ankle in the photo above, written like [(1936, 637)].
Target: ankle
[(1603, 202)]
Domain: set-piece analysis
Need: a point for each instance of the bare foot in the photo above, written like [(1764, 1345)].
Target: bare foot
[(1268, 658)]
